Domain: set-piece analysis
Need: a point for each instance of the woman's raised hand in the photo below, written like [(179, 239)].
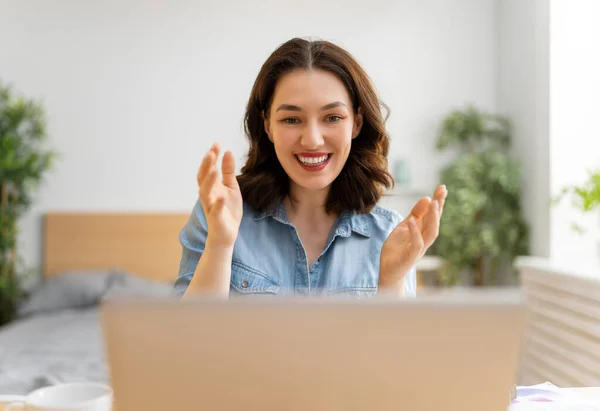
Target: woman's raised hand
[(220, 197), (411, 238)]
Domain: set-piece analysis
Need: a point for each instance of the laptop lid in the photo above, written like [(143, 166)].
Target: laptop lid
[(433, 353)]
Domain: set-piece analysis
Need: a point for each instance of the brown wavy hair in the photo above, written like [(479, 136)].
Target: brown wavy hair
[(359, 186)]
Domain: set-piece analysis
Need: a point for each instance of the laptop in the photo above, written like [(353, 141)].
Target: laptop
[(451, 353)]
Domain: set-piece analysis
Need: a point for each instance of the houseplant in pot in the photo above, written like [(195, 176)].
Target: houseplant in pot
[(482, 228), (585, 198), (23, 161)]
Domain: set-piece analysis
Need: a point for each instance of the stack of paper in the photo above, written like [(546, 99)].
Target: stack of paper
[(549, 397)]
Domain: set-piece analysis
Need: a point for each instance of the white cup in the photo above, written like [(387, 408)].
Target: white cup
[(85, 396)]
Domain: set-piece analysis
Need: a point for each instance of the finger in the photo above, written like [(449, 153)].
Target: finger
[(420, 209), (215, 148), (228, 170), (207, 163), (429, 216), (416, 240), (440, 194), (432, 224), (208, 188)]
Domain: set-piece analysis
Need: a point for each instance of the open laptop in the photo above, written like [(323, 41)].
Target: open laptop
[(431, 353)]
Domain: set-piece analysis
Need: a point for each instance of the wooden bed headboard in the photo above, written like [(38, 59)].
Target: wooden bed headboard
[(144, 244)]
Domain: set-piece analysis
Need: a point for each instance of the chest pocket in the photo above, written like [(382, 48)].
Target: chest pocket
[(246, 280)]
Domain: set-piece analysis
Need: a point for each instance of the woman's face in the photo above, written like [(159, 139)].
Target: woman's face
[(311, 124)]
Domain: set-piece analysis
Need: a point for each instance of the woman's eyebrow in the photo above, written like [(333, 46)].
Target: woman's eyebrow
[(288, 107), (291, 107), (333, 105)]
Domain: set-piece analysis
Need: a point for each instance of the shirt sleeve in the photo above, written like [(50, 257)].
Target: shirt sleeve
[(193, 240)]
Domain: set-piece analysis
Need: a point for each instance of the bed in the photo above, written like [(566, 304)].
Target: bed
[(87, 257)]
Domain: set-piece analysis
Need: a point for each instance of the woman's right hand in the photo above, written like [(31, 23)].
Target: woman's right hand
[(221, 199)]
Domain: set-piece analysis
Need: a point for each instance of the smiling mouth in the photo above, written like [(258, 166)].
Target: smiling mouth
[(313, 161)]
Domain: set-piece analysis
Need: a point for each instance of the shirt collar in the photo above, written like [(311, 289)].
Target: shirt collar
[(277, 212), (347, 222), (352, 222)]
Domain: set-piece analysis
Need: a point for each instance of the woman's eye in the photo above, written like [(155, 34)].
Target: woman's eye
[(290, 121), (334, 119)]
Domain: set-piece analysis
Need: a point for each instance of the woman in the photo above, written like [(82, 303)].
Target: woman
[(302, 218)]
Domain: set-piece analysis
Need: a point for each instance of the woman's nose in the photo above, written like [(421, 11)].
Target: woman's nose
[(311, 138)]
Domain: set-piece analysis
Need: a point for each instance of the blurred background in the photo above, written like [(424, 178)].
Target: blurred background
[(109, 106)]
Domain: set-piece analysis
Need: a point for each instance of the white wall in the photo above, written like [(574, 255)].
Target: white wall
[(575, 130), (136, 91), (548, 83), (523, 95)]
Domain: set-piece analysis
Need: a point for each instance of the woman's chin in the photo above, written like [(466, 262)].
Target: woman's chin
[(313, 184)]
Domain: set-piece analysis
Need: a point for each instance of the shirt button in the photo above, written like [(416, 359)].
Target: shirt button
[(245, 284), (320, 258)]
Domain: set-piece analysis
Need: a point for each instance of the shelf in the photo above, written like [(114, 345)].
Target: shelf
[(404, 191), (429, 263)]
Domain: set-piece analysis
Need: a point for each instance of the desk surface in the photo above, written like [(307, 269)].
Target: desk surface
[(587, 392)]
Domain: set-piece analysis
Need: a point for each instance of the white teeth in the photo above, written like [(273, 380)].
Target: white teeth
[(313, 160)]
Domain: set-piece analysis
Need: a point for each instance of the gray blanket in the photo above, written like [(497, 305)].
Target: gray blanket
[(58, 337), (44, 349)]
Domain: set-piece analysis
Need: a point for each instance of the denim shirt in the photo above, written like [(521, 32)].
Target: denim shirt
[(269, 259)]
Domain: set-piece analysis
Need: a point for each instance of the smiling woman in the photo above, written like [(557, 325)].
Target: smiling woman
[(306, 93), (315, 132), (302, 218), (310, 160)]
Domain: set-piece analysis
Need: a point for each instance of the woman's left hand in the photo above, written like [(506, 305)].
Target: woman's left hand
[(410, 239)]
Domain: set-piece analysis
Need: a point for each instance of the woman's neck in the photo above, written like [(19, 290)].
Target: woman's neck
[(307, 212), (303, 204)]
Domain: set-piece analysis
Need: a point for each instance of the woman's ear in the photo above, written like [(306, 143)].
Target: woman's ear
[(267, 125), (358, 123)]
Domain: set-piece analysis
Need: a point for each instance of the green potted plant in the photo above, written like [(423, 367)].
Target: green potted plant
[(482, 228), (23, 162), (585, 198)]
